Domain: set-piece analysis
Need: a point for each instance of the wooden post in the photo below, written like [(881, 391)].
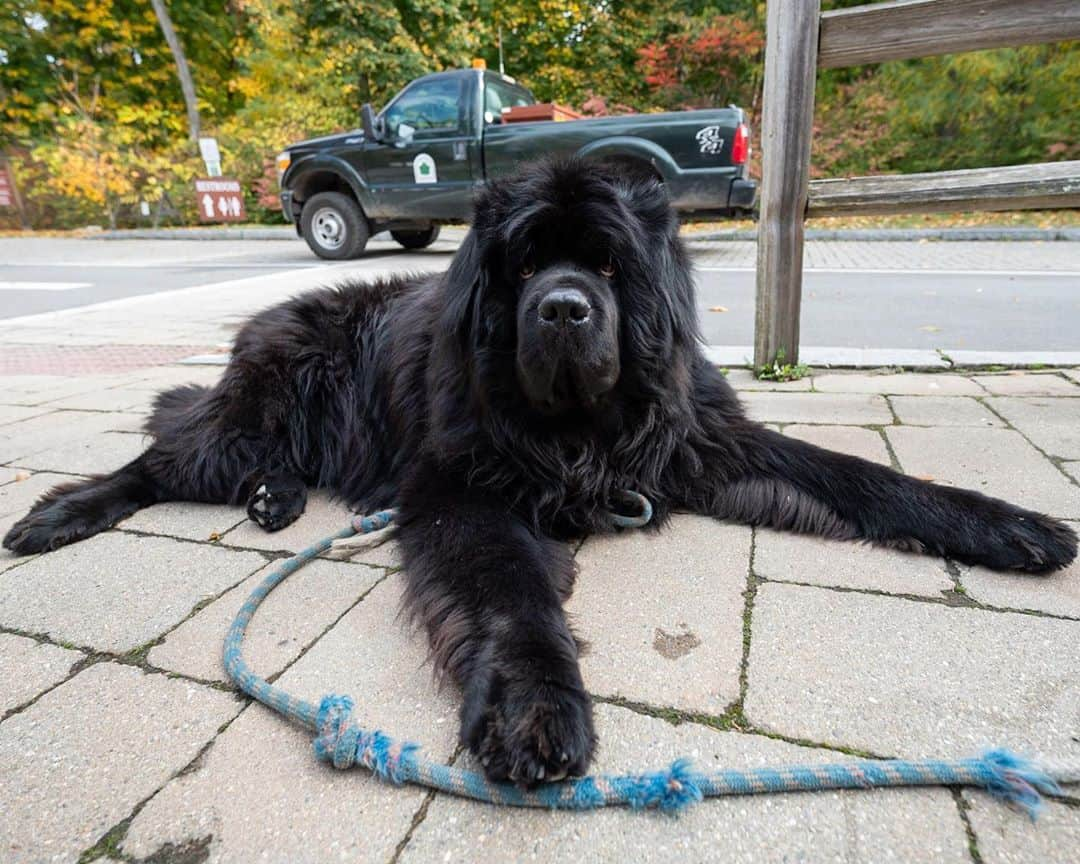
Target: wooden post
[(791, 40)]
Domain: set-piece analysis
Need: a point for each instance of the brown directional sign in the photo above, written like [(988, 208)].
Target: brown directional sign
[(220, 199), (7, 196)]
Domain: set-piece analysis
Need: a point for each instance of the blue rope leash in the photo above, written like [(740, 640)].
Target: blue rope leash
[(341, 741)]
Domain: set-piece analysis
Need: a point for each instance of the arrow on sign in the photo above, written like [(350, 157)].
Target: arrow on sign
[(223, 207), (208, 206)]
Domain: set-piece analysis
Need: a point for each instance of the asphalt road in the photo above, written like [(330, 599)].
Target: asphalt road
[(907, 310), (44, 275), (851, 306)]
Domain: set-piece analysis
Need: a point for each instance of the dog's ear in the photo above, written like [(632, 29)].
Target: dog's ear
[(665, 312), (462, 287), (677, 280)]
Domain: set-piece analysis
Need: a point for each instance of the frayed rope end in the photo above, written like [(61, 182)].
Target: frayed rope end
[(1018, 781), (672, 790)]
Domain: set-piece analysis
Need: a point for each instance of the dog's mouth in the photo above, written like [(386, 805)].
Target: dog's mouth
[(565, 392), (567, 385)]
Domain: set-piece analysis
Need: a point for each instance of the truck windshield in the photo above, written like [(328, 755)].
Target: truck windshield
[(427, 105)]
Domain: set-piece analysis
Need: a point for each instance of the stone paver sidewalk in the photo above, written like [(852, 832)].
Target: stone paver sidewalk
[(120, 740)]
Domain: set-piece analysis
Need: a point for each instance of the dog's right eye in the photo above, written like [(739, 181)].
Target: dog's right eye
[(527, 271)]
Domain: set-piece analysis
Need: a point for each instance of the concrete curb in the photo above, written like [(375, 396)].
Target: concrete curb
[(262, 232), (839, 357), (738, 357), (286, 232), (904, 234)]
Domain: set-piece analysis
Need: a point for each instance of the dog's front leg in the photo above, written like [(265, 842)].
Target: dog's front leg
[(488, 592), (786, 483)]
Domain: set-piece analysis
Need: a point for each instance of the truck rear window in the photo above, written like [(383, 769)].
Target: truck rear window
[(501, 96)]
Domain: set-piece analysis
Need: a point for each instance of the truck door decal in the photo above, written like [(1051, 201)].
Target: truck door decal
[(423, 169), (709, 140)]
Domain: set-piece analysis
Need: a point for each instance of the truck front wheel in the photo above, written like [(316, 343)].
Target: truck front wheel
[(334, 226), (417, 239)]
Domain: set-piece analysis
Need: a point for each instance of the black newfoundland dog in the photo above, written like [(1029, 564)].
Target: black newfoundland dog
[(503, 406)]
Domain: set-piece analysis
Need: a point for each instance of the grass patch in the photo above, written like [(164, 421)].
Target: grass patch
[(778, 370)]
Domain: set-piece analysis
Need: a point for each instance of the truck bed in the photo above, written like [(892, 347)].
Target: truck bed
[(689, 150)]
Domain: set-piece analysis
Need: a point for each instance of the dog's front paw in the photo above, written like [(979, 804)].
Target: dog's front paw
[(39, 531), (1027, 541), (531, 731), (277, 502)]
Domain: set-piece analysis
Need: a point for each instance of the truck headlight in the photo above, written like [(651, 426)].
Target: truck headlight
[(283, 161)]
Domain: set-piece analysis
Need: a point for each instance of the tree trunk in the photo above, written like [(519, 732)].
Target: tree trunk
[(183, 72), (5, 164)]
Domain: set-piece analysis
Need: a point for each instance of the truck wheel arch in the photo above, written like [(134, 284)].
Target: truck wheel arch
[(322, 175), (636, 153), (320, 180)]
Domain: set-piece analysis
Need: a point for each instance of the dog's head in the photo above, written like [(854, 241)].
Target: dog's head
[(571, 284)]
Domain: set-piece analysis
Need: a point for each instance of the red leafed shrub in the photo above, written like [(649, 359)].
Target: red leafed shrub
[(266, 187), (705, 64)]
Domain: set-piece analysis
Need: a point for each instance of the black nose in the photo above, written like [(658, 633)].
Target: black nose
[(564, 306)]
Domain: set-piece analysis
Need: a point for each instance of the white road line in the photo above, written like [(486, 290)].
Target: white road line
[(369, 269), (167, 265), (910, 272), (43, 286)]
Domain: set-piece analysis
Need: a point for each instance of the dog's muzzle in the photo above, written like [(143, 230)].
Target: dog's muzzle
[(567, 344)]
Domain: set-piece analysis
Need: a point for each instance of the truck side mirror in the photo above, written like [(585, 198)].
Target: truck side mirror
[(367, 119)]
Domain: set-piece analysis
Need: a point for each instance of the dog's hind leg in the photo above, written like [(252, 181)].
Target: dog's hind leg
[(197, 455), (787, 483), (208, 449), (73, 511)]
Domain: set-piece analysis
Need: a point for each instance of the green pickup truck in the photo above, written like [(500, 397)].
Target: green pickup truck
[(415, 165)]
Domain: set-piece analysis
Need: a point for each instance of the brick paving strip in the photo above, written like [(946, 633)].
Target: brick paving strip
[(120, 740), (89, 359)]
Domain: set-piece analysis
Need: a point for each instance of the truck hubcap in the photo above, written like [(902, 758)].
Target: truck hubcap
[(328, 227)]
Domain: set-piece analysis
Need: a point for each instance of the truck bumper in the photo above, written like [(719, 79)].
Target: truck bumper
[(287, 205), (741, 196), (700, 194)]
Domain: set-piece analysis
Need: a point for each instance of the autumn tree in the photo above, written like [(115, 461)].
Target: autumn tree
[(93, 117), (705, 63)]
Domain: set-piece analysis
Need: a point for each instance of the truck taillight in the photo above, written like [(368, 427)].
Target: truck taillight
[(740, 145)]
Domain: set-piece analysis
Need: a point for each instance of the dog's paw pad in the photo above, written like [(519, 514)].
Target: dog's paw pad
[(535, 741), (274, 505)]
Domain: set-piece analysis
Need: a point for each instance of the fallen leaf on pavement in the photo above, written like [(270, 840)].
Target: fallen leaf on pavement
[(718, 309)]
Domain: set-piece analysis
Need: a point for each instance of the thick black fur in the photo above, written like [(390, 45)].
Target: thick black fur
[(499, 433)]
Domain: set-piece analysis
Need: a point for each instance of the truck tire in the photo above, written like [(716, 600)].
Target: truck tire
[(417, 239), (334, 226)]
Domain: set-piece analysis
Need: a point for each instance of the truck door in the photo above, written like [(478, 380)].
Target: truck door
[(424, 168)]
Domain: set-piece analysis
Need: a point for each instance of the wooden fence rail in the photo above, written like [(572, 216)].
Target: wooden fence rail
[(799, 39), (920, 28), (1014, 187)]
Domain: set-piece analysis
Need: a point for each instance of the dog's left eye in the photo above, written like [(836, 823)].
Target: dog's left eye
[(527, 271), (607, 270)]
